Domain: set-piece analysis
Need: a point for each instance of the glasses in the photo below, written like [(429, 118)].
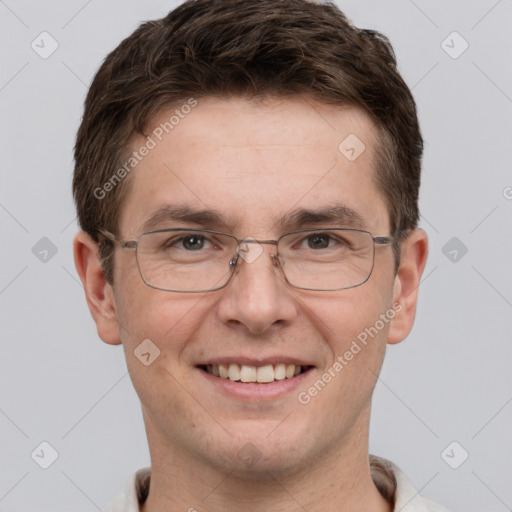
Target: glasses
[(197, 260)]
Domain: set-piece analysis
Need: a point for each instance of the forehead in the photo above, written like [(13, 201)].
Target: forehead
[(255, 160)]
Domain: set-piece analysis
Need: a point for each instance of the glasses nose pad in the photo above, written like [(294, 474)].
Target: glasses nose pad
[(276, 261), (234, 261)]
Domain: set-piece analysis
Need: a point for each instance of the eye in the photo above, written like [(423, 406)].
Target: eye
[(319, 241), (193, 242), (189, 242)]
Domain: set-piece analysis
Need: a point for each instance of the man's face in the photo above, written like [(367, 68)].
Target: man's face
[(255, 163)]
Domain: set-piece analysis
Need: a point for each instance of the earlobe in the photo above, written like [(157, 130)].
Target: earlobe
[(98, 292), (414, 251)]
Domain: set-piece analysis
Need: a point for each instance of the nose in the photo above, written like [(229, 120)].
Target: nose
[(257, 297)]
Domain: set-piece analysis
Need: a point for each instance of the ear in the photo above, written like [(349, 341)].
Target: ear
[(98, 293), (413, 257)]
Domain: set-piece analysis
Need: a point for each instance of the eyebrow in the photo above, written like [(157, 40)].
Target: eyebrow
[(187, 215), (337, 214)]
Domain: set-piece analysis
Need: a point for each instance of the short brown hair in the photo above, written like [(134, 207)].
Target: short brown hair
[(218, 48)]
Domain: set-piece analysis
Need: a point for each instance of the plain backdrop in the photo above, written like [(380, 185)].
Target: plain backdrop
[(444, 394)]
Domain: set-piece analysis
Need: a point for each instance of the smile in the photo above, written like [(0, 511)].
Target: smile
[(255, 374)]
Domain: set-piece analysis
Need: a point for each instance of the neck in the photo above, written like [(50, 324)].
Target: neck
[(338, 481)]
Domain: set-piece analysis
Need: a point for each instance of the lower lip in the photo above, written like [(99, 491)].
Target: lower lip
[(255, 390)]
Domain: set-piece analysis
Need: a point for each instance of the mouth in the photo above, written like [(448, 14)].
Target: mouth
[(250, 374)]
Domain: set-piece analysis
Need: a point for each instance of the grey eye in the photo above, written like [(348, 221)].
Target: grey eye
[(193, 242)]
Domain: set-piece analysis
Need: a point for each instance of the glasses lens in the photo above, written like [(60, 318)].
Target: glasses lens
[(185, 260), (199, 261), (327, 259)]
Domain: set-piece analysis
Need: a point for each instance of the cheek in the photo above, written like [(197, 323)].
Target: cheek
[(163, 326), (348, 314), (168, 319)]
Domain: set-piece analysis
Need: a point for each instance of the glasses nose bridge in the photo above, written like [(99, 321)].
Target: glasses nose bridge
[(268, 242), (239, 251)]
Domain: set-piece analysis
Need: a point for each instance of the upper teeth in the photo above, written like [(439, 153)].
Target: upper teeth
[(248, 373)]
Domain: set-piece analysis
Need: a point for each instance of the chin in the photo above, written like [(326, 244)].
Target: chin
[(252, 463), (263, 453)]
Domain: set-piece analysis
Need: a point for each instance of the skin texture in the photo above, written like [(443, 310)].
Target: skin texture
[(254, 161)]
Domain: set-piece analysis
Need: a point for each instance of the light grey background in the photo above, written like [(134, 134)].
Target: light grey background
[(450, 381)]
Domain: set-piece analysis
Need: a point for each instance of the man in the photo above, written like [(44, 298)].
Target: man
[(247, 179)]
